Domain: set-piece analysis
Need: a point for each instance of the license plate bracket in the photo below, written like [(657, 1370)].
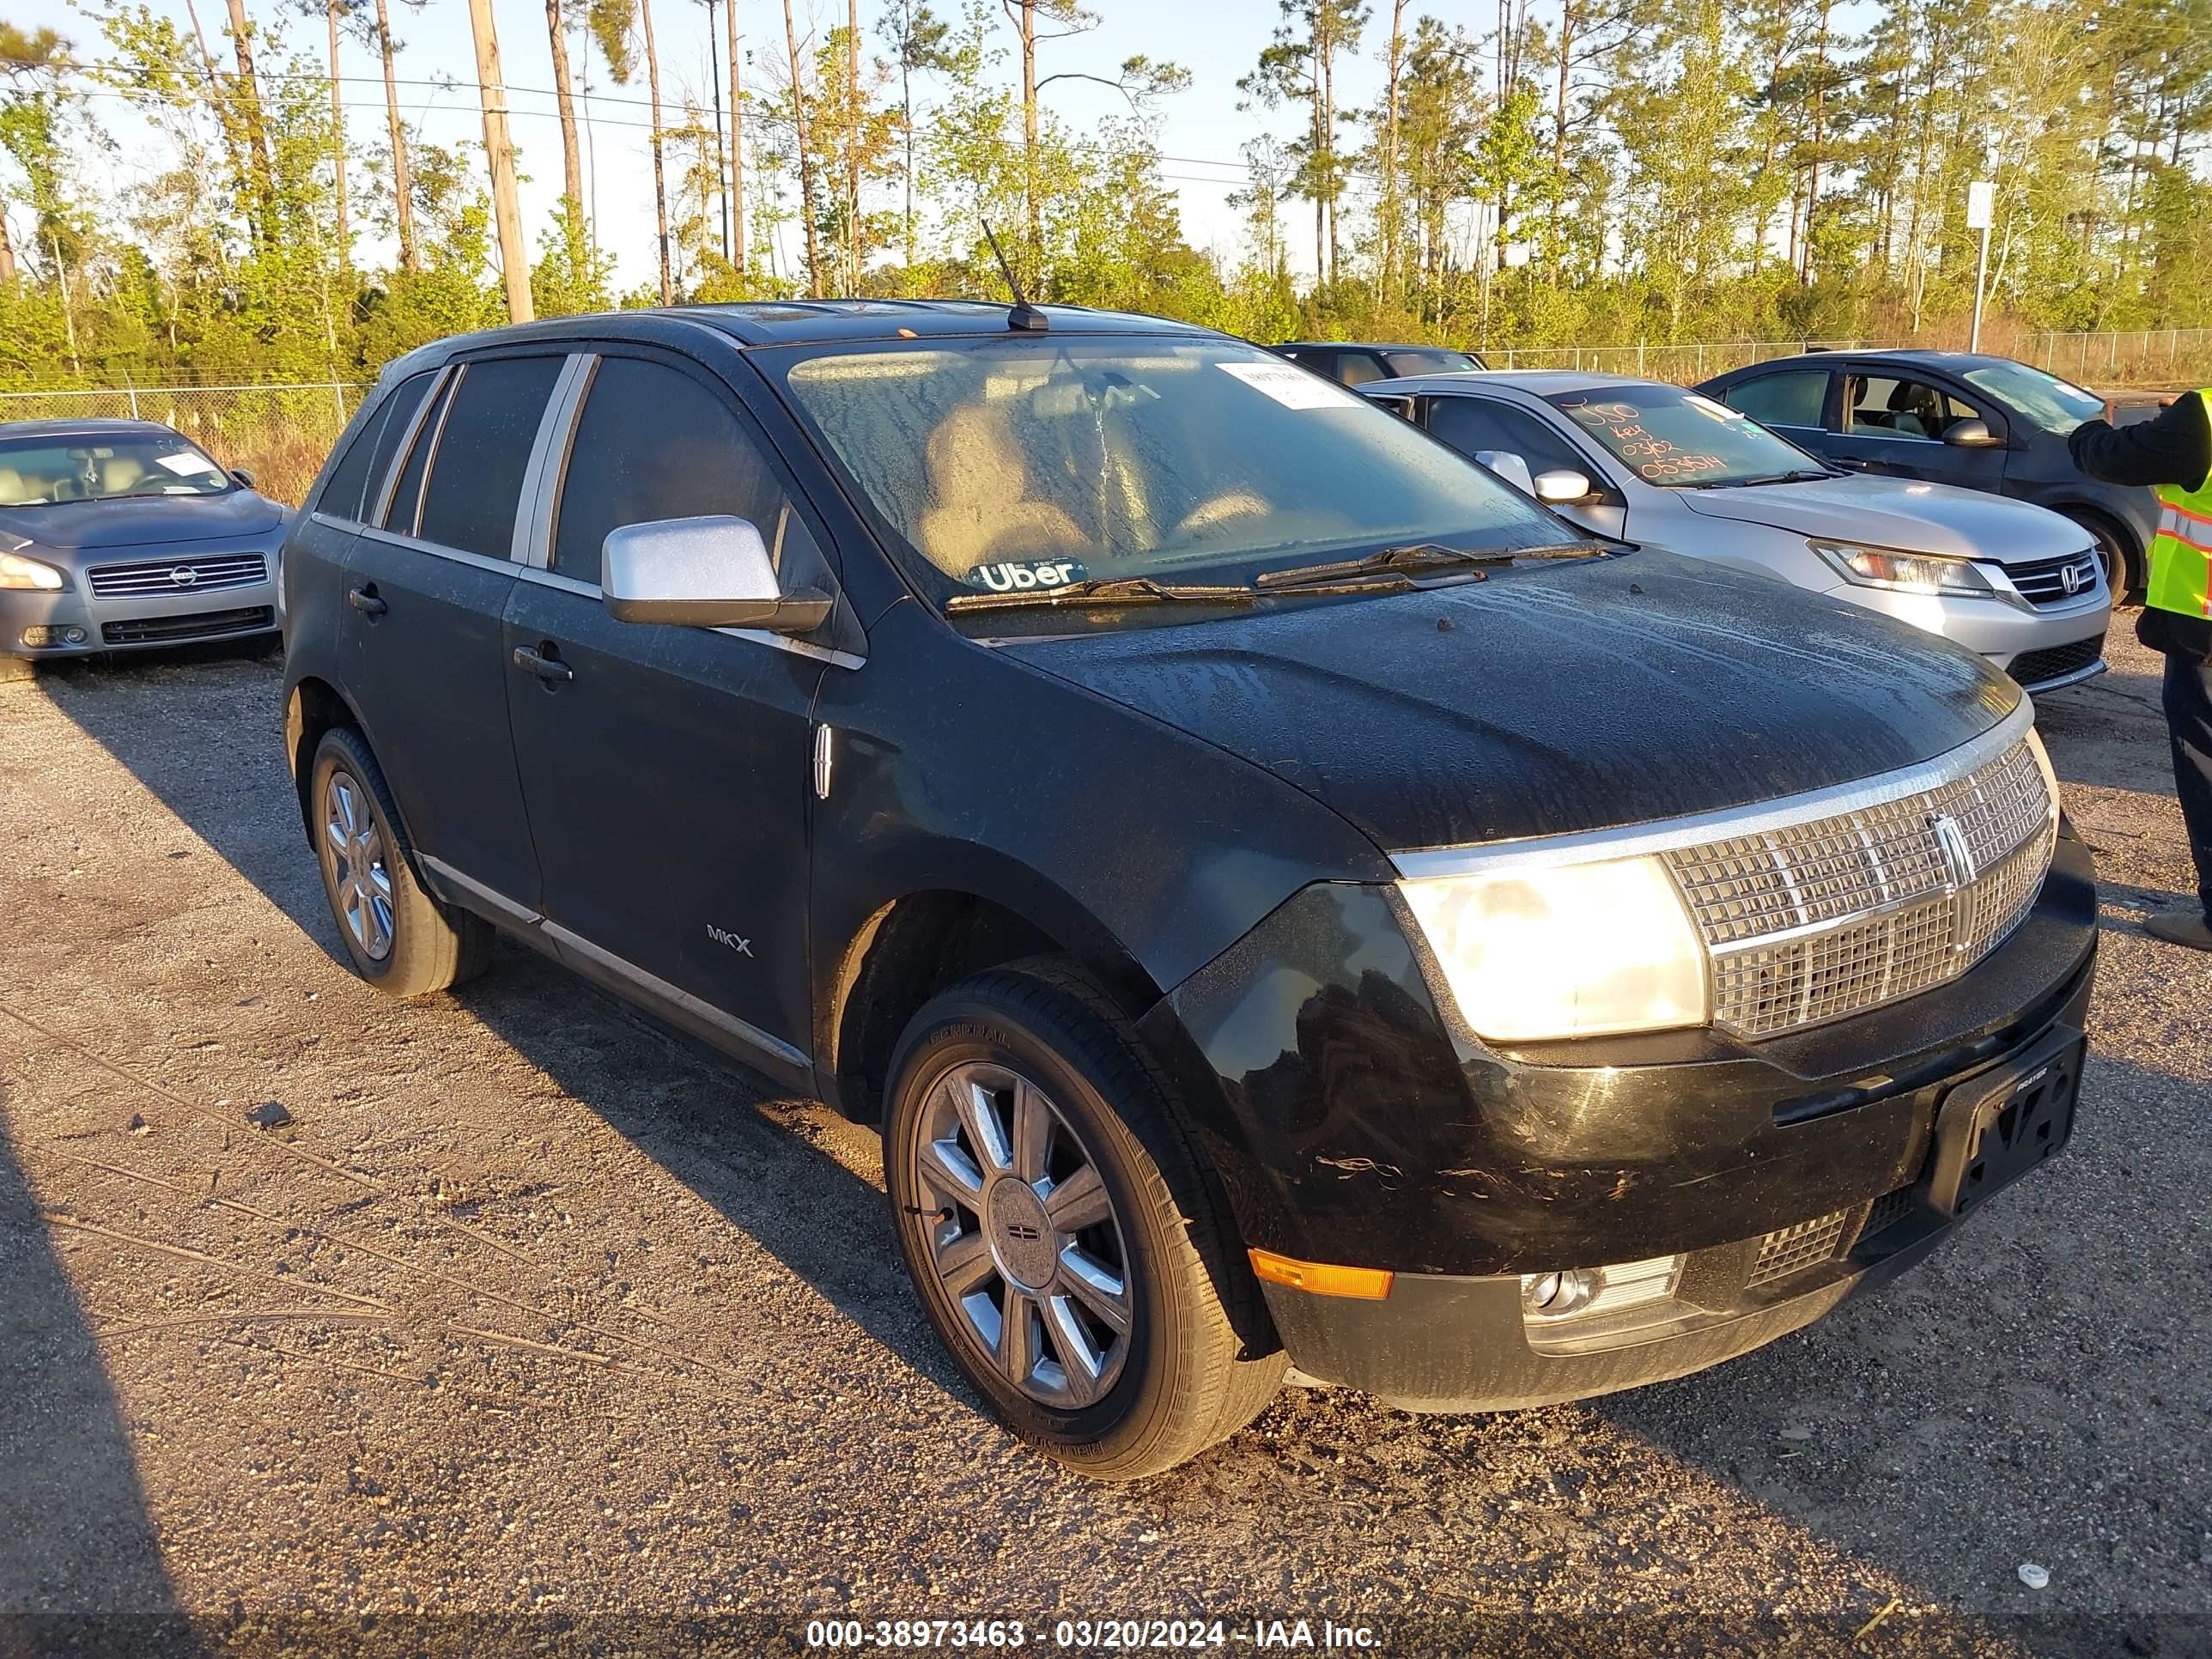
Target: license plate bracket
[(1992, 1129)]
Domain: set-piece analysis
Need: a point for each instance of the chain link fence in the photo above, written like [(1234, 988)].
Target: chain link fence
[(1686, 365), (2167, 357)]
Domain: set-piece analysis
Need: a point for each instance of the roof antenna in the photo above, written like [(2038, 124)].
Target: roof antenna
[(1024, 316)]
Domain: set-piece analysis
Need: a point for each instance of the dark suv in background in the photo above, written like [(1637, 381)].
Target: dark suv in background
[(1356, 362), (1286, 897), (1954, 417)]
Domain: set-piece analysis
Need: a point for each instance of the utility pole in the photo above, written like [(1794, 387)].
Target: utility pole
[(714, 71), (499, 151), (1981, 208), (737, 144)]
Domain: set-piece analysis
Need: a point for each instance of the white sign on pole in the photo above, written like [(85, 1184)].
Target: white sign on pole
[(1981, 205)]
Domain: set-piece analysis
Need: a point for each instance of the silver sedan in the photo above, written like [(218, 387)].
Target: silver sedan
[(1650, 462), (125, 535)]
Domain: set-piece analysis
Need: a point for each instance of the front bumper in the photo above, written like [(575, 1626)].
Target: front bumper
[(140, 623), (2055, 646), (1351, 1123), (1442, 1342)]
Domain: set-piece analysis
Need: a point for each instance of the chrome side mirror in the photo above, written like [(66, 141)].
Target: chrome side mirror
[(1508, 466), (701, 573), (1970, 434), (1562, 484)]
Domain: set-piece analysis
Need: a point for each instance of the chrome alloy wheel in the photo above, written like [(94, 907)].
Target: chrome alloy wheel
[(1023, 1238), (354, 863)]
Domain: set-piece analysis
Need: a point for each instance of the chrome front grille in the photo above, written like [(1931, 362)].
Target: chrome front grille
[(2044, 581), (1816, 920), (162, 579)]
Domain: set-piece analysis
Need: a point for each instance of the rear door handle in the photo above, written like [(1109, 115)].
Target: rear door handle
[(364, 600), (546, 668)]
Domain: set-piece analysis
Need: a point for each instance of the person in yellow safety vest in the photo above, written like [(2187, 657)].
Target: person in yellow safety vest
[(2173, 454)]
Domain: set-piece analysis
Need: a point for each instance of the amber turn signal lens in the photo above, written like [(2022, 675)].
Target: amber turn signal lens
[(1322, 1279)]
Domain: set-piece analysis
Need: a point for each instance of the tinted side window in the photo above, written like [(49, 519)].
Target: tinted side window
[(400, 516), (653, 443), (362, 466), (1358, 368), (1793, 398), (475, 477), (1883, 406), (1468, 424)]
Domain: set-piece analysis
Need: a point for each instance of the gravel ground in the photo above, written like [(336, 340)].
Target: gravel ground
[(539, 1330)]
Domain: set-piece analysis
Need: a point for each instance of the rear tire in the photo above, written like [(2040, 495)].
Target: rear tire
[(1060, 1231), (394, 934)]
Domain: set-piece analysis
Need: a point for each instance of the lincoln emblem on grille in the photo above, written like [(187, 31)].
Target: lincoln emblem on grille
[(1958, 856), (184, 575)]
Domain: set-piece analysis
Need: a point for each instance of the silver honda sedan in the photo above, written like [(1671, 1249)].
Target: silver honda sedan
[(125, 535), (1650, 462)]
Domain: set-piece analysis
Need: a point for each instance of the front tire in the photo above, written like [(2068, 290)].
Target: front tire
[(1059, 1230), (395, 935)]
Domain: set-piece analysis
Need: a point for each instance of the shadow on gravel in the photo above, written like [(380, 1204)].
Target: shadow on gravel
[(201, 727), (723, 1132), (80, 1570), (203, 735)]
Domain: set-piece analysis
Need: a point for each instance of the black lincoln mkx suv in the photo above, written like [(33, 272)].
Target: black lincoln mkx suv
[(1287, 900)]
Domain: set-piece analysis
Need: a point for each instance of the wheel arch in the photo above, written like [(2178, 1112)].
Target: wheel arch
[(910, 944), (313, 706)]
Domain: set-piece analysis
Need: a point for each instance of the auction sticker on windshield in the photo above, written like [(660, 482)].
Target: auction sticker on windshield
[(1291, 387)]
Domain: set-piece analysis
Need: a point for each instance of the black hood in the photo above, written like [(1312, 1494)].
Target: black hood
[(143, 520), (1551, 699)]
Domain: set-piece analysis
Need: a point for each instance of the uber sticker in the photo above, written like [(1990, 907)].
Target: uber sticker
[(1291, 386), (1015, 575)]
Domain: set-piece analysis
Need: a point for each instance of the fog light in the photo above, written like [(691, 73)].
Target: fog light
[(35, 637), (1554, 1296), (1593, 1290)]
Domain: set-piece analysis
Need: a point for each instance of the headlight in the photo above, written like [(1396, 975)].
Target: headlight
[(1906, 573), (16, 571), (1566, 951)]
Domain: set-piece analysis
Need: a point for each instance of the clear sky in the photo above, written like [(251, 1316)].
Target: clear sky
[(1202, 130)]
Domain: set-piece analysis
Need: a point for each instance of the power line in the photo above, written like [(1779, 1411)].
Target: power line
[(450, 83)]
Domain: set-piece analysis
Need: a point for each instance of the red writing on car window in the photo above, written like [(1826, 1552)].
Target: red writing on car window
[(1660, 459)]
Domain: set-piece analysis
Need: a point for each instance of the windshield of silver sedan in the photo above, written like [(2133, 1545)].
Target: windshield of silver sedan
[(1680, 440), (104, 466), (1086, 463)]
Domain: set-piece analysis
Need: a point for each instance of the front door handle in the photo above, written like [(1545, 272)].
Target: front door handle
[(545, 667), (364, 600)]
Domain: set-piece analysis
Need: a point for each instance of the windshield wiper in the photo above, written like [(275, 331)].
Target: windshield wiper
[(1565, 550), (1801, 474), (1120, 590), (1390, 562)]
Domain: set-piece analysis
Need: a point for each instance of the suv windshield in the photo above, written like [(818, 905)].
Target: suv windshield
[(1681, 440), (101, 466), (1009, 463), (2041, 400)]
